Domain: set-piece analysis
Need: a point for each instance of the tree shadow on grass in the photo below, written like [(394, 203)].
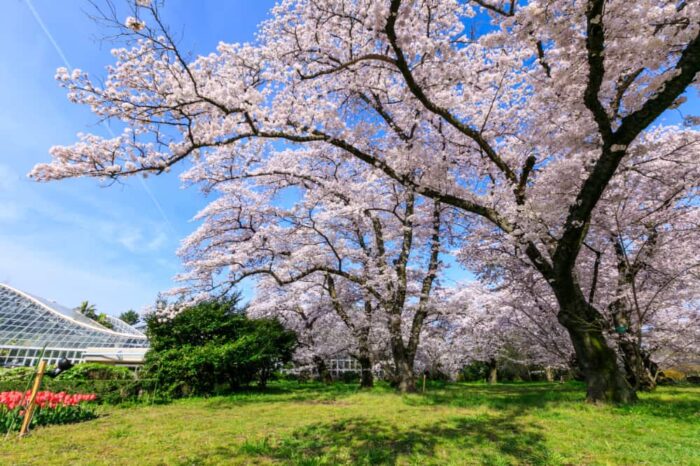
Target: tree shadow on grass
[(510, 397), (311, 392), (517, 396), (671, 403), (217, 455), (481, 439), (678, 403)]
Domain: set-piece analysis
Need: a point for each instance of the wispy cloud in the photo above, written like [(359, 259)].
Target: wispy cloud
[(71, 240), (135, 240), (48, 34)]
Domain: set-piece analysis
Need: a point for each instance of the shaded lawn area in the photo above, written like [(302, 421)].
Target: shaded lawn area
[(309, 424)]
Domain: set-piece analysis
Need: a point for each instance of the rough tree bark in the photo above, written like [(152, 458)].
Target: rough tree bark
[(405, 354), (629, 344), (365, 359), (622, 309), (403, 361), (493, 371), (638, 374), (549, 374), (324, 375), (361, 333), (605, 380)]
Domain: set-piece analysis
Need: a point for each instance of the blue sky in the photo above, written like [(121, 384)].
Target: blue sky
[(76, 240)]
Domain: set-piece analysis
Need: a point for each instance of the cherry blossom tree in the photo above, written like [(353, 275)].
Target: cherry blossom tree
[(330, 321), (638, 265), (369, 244), (304, 308), (643, 242), (483, 121), (514, 319)]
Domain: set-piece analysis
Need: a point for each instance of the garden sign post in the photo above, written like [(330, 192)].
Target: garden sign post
[(32, 398)]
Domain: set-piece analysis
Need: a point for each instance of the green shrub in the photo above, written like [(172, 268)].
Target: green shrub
[(16, 379), (213, 348), (111, 384), (475, 372), (208, 322), (96, 371), (349, 377), (16, 374), (189, 370)]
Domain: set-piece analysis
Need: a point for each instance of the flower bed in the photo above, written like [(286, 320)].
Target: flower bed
[(51, 408), (111, 385)]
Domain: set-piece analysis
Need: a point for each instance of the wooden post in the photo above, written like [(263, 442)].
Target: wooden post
[(29, 410), (423, 382)]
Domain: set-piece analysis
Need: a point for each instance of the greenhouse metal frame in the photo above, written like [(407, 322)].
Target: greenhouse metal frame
[(30, 325)]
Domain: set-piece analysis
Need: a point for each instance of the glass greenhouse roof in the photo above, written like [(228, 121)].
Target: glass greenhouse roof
[(27, 321)]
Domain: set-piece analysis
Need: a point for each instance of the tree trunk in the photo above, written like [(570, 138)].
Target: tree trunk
[(630, 347), (605, 381), (406, 378), (623, 308), (403, 360), (652, 369), (366, 377), (365, 360), (638, 374), (324, 375), (264, 376), (493, 371), (549, 374)]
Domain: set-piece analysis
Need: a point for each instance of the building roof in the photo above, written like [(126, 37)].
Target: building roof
[(30, 321)]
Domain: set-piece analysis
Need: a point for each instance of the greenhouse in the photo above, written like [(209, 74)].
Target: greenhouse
[(29, 324)]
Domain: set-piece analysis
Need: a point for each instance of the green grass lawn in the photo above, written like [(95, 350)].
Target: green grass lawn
[(308, 424)]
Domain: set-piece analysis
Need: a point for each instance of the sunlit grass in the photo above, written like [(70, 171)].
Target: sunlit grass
[(311, 424)]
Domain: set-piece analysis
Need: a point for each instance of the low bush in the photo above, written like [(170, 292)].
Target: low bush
[(16, 379), (216, 368), (96, 371), (670, 377), (349, 377), (477, 371), (15, 375), (110, 384)]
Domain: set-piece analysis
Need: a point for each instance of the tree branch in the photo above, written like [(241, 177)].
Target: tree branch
[(418, 92)]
